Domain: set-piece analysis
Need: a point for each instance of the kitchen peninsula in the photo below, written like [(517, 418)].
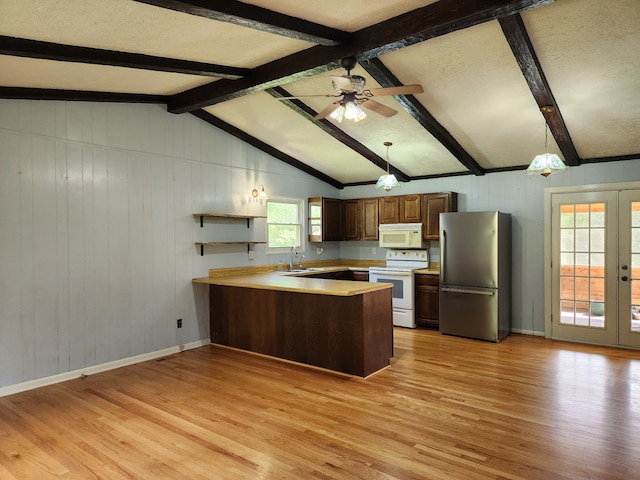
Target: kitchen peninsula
[(339, 325)]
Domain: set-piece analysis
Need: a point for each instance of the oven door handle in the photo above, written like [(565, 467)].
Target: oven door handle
[(390, 273)]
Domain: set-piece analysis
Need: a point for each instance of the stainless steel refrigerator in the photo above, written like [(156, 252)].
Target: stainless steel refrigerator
[(475, 274)]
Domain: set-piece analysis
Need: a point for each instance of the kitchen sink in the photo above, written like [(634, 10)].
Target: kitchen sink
[(311, 269)]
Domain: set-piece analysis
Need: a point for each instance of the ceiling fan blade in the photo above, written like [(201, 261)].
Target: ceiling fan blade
[(379, 108), (403, 90), (327, 111)]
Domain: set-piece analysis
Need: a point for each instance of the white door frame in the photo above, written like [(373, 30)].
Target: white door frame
[(548, 192)]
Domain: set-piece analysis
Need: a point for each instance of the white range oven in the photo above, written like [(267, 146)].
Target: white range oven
[(399, 272)]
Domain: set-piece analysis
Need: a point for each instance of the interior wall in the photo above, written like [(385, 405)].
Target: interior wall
[(97, 230), (523, 197)]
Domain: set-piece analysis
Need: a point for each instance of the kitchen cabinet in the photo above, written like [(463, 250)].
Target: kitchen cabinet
[(433, 204), (389, 209), (369, 218), (410, 208), (427, 300), (351, 215), (360, 275), (324, 219), (400, 209), (360, 219), (356, 275)]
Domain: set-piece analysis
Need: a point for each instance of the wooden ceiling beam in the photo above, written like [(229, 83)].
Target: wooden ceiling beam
[(520, 43), (410, 103), (21, 93), (260, 145), (21, 47), (257, 18), (328, 127), (418, 25)]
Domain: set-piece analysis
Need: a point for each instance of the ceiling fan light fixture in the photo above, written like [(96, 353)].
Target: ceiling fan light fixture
[(338, 113), (348, 109), (353, 111), (388, 180), (546, 163)]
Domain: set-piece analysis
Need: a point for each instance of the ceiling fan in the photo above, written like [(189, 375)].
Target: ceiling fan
[(352, 95)]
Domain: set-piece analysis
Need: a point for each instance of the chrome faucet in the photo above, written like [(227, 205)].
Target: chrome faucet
[(293, 251)]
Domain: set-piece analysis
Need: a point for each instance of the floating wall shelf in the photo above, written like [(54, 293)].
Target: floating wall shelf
[(225, 215), (248, 218)]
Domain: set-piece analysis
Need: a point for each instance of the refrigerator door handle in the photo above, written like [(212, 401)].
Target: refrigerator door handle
[(463, 290), (443, 256)]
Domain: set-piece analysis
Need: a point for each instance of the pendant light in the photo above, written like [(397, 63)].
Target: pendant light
[(389, 180), (547, 163)]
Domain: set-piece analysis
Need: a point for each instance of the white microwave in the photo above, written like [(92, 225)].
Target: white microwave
[(400, 235)]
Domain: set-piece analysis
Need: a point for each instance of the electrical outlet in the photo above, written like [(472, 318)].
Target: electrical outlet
[(179, 322), (373, 250), (319, 251)]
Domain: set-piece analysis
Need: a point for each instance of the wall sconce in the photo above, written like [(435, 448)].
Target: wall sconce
[(259, 194), (547, 163)]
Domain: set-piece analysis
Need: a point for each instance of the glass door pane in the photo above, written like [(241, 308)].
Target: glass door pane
[(629, 272), (583, 246), (582, 291)]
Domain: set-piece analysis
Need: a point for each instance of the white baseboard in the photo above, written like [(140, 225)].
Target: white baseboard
[(527, 332), (63, 377)]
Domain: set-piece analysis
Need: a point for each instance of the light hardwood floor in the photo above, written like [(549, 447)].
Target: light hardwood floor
[(446, 408)]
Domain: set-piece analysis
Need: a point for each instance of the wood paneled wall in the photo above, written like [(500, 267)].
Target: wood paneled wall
[(97, 231)]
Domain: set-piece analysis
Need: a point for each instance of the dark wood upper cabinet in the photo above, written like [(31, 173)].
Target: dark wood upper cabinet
[(369, 216), (325, 223), (433, 204), (410, 208), (352, 222), (360, 219), (389, 210), (331, 219)]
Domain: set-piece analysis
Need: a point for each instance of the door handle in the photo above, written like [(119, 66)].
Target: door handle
[(464, 290), (443, 256), (624, 279)]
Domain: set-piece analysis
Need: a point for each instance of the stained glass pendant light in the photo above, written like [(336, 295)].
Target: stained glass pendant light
[(388, 180), (546, 163)]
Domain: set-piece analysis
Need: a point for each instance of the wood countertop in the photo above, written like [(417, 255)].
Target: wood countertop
[(290, 282), (427, 271)]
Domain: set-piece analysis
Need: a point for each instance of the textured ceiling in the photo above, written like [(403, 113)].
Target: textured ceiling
[(478, 113)]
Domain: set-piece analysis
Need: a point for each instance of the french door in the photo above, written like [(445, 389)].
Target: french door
[(595, 268)]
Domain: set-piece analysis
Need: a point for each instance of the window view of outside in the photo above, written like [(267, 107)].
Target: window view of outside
[(283, 224), (635, 267), (582, 249)]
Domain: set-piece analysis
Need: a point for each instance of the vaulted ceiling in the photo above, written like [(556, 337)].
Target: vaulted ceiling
[(485, 67)]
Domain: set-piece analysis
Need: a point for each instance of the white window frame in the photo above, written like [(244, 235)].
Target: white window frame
[(301, 223)]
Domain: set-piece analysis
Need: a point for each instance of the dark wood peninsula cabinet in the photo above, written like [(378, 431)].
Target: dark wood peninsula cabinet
[(427, 300)]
